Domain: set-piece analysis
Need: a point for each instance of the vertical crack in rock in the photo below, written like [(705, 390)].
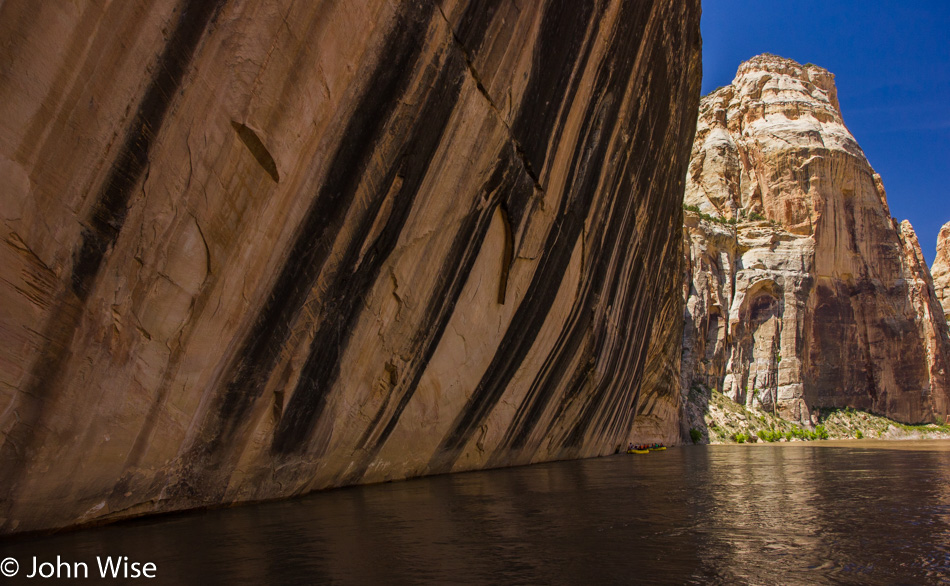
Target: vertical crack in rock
[(506, 254), (566, 34), (474, 33)]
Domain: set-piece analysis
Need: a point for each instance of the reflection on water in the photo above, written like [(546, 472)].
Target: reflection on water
[(828, 512)]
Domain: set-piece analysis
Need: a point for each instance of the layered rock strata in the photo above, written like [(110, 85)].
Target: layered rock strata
[(940, 270), (255, 249), (802, 291)]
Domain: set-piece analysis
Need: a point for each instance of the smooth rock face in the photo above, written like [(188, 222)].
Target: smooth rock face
[(940, 271), (802, 292), (254, 249)]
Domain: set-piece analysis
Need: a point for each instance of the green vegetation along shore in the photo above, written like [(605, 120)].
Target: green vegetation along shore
[(716, 419)]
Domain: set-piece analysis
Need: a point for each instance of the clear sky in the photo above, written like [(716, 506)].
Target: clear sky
[(891, 61)]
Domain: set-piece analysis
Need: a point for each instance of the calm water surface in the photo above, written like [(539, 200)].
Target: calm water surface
[(826, 512)]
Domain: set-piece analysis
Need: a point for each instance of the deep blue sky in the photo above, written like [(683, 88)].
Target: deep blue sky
[(891, 60)]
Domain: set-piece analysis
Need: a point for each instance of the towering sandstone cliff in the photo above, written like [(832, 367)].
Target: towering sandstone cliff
[(802, 291), (252, 249), (941, 268)]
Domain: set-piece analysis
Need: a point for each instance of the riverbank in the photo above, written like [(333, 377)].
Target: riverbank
[(715, 419)]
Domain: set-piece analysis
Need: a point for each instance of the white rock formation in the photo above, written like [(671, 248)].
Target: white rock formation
[(940, 271), (803, 292)]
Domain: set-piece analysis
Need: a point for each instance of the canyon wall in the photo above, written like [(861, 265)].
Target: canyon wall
[(256, 249), (802, 292), (940, 270)]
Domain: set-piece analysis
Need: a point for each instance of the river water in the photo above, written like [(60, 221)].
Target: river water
[(823, 512)]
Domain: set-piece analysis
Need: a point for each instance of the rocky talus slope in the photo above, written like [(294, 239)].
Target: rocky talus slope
[(255, 249), (802, 292), (940, 270), (717, 419)]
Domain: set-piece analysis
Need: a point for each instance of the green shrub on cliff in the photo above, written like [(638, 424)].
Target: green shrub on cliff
[(708, 217), (769, 435), (922, 428), (795, 433), (695, 435)]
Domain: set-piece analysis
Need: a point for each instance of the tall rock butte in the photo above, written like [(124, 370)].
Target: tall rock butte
[(802, 291), (255, 249), (940, 271)]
